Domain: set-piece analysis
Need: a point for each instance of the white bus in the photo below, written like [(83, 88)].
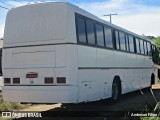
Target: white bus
[(56, 52)]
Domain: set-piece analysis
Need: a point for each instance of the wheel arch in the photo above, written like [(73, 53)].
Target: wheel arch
[(118, 80), (152, 79)]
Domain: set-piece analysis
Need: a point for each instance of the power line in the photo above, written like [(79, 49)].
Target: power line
[(7, 4), (4, 7)]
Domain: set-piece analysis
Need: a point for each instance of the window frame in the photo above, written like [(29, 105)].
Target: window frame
[(127, 43), (138, 45), (124, 41), (78, 41), (105, 26), (130, 44), (96, 34), (149, 52), (93, 32), (113, 36), (143, 47), (116, 40)]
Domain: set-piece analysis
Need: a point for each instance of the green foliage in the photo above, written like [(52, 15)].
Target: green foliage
[(150, 118), (6, 118), (157, 108), (157, 42), (9, 106), (5, 107), (151, 37)]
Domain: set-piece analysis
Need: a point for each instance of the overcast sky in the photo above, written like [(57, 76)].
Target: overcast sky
[(139, 16)]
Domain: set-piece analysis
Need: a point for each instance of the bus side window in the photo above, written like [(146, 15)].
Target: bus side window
[(149, 48), (81, 31), (117, 40), (145, 47), (127, 42), (154, 54), (138, 46), (108, 37), (99, 35), (142, 46), (122, 41), (90, 32), (131, 43)]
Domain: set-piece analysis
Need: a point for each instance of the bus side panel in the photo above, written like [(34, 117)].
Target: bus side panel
[(94, 81)]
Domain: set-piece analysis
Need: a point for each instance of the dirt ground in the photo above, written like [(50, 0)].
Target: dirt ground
[(137, 101), (131, 101), (156, 86)]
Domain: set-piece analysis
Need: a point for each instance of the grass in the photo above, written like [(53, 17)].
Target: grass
[(6, 118), (151, 110), (11, 106), (150, 118)]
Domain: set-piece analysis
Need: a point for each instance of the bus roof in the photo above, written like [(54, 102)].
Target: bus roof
[(91, 16), (35, 14)]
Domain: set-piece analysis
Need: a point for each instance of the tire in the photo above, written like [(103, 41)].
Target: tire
[(116, 91), (152, 79)]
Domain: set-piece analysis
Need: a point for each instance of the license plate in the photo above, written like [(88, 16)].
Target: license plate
[(31, 75)]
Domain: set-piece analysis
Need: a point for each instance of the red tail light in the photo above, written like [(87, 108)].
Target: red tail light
[(61, 80), (48, 80), (16, 80), (7, 80)]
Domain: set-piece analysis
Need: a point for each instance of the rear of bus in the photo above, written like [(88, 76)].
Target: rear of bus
[(36, 66)]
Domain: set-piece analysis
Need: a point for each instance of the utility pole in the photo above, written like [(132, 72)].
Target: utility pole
[(110, 15)]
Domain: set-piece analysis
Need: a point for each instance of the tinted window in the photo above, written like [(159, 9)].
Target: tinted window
[(108, 37), (90, 32), (145, 47), (122, 41), (100, 35), (81, 30), (117, 40), (141, 46), (149, 48), (127, 42), (131, 44), (138, 46), (153, 53)]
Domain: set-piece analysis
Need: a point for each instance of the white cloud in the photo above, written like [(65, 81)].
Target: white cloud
[(147, 24), (3, 13), (136, 17)]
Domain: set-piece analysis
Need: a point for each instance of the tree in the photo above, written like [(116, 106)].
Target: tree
[(157, 42), (151, 37)]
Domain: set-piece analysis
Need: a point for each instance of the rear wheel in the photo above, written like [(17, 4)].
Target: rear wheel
[(116, 91), (152, 79)]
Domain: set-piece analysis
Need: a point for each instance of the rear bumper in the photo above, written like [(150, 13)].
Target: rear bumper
[(40, 94)]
